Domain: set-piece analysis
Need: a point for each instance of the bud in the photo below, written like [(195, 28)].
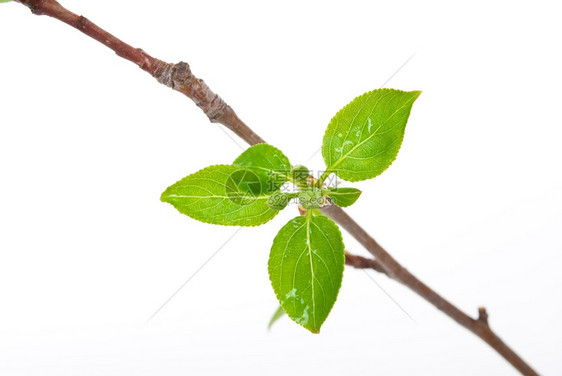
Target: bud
[(278, 201), (300, 175), (311, 198)]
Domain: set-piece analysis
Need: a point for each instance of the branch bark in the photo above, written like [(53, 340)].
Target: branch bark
[(396, 271), (179, 77), (176, 76)]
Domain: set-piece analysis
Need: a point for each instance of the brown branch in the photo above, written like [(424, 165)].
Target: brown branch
[(479, 327), (179, 77)]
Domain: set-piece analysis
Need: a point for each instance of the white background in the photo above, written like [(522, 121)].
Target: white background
[(473, 204)]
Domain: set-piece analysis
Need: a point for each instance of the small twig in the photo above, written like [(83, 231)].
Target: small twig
[(179, 77), (360, 262)]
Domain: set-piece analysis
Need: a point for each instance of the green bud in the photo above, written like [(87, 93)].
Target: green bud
[(300, 175), (311, 198), (278, 201)]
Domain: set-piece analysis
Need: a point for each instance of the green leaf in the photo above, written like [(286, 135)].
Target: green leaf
[(268, 162), (276, 316), (363, 139), (5, 1), (342, 197), (222, 195), (306, 268)]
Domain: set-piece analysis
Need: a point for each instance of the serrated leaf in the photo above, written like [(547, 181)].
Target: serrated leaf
[(342, 197), (222, 195), (363, 139), (306, 268), (268, 162), (276, 316)]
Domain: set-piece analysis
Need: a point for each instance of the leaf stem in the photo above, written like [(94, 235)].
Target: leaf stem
[(323, 178)]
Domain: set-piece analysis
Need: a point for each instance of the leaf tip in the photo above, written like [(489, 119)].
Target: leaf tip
[(164, 197), (314, 330), (416, 93), (276, 316)]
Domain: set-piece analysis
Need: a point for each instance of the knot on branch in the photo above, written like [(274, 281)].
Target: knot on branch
[(33, 6), (80, 24), (179, 77), (163, 73)]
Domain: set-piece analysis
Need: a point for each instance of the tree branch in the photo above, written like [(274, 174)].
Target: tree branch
[(179, 77), (396, 271)]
